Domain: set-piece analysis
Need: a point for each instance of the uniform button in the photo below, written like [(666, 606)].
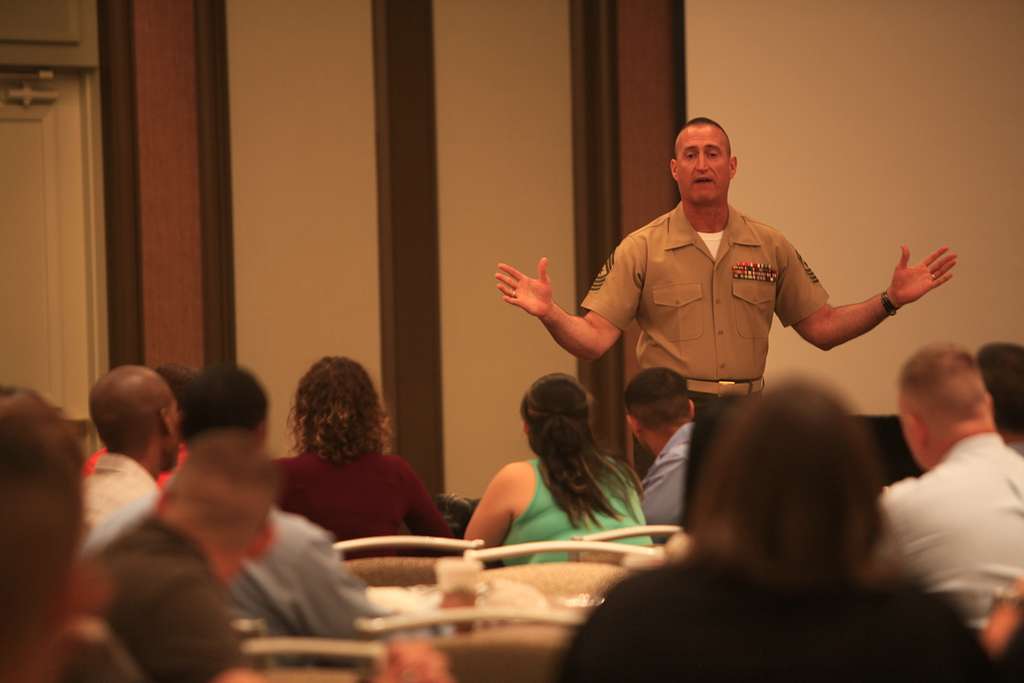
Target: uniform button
[(720, 332), (677, 302), (718, 301), (722, 366)]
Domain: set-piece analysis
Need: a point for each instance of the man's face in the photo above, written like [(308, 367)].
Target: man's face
[(703, 167)]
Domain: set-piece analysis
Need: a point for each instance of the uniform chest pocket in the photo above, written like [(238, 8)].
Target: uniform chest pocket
[(678, 313), (753, 306)]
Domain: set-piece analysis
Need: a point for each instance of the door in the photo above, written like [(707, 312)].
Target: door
[(52, 300)]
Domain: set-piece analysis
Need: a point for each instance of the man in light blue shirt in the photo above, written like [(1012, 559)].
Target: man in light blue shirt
[(956, 526), (660, 413)]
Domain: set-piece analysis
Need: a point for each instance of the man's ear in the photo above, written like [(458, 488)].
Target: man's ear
[(168, 419), (634, 425), (732, 167), (693, 409), (673, 167)]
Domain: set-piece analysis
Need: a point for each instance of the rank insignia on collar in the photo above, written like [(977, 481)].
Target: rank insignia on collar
[(748, 270)]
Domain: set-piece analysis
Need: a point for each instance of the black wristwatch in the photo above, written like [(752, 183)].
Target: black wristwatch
[(888, 305)]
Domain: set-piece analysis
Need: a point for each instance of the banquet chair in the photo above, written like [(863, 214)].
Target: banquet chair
[(563, 580), (506, 654), (399, 570), (599, 551), (652, 530), (277, 657)]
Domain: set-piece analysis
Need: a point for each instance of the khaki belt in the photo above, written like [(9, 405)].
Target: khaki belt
[(726, 387)]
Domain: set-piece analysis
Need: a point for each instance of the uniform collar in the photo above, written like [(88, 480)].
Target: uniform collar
[(681, 233)]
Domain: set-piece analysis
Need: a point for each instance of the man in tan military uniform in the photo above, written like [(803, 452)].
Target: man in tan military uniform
[(703, 282)]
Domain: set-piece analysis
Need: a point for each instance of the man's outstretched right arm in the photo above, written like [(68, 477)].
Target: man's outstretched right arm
[(586, 337)]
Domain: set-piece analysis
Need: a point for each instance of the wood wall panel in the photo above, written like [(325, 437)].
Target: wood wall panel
[(648, 96), (407, 199), (168, 181)]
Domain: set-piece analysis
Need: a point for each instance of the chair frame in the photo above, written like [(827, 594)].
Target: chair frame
[(437, 543), (574, 548), (378, 626), (631, 532)]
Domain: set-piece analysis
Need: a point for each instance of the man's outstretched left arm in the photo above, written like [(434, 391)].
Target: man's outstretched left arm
[(828, 327)]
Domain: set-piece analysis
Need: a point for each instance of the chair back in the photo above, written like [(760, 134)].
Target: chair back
[(598, 551), (280, 658), (436, 544), (506, 654), (563, 580), (393, 571), (376, 627), (653, 530)]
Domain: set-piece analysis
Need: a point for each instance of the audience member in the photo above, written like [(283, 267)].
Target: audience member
[(342, 479), (137, 419), (1002, 367), (783, 580), (659, 414), (177, 377), (952, 524), (571, 488), (298, 587), (705, 432), (41, 509), (170, 572)]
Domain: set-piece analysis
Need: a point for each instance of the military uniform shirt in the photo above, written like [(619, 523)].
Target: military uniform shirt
[(707, 318)]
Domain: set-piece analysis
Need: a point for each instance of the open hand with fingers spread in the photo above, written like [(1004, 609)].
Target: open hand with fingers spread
[(530, 294), (910, 283)]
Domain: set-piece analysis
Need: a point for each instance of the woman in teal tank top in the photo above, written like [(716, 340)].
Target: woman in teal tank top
[(570, 488)]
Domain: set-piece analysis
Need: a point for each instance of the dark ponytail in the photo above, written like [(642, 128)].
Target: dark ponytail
[(576, 472)]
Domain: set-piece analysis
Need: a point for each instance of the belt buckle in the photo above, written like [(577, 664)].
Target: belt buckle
[(729, 387)]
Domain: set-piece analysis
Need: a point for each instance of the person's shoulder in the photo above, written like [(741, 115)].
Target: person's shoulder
[(645, 232), (292, 527), (299, 462), (766, 232), (518, 469)]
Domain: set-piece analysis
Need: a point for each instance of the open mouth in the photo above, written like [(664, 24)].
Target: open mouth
[(702, 181)]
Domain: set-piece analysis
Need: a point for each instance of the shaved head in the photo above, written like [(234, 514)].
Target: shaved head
[(943, 382), (127, 407), (702, 121)]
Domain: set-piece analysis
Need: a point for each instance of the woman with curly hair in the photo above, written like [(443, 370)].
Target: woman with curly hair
[(570, 488), (341, 479)]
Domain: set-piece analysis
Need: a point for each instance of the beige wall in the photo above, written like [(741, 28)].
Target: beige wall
[(863, 125), (505, 194), (305, 194)]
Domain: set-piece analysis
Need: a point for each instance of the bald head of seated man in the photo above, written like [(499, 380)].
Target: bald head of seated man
[(137, 419)]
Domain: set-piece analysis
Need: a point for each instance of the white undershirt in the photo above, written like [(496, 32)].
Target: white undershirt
[(712, 240)]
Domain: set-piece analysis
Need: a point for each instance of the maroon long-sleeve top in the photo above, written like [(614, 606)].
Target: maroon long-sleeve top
[(373, 495)]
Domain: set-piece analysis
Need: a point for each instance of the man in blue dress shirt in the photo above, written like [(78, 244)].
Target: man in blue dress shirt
[(660, 415)]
